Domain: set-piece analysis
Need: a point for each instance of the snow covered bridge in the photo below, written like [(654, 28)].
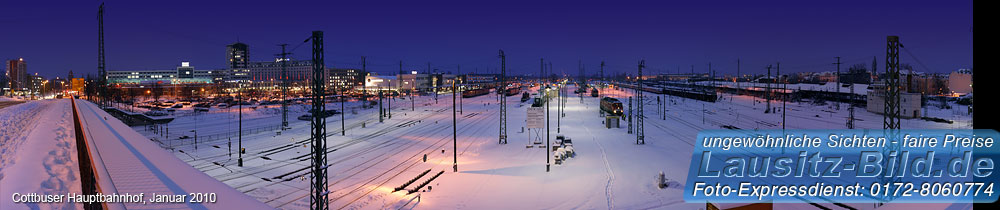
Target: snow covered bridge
[(123, 162)]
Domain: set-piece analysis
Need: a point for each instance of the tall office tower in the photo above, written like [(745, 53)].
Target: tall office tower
[(17, 74), (238, 62)]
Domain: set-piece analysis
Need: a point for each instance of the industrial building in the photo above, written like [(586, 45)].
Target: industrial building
[(343, 79), (183, 74), (425, 82), (264, 71), (909, 103)]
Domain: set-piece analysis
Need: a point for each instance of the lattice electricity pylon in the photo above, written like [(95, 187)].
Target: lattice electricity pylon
[(890, 117), (102, 86), (503, 98), (318, 190), (640, 131), (768, 93)]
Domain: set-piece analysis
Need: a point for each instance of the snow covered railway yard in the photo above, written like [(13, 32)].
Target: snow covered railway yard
[(374, 159)]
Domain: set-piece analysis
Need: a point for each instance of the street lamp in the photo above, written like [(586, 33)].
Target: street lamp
[(239, 101), (388, 84), (454, 127), (548, 148)]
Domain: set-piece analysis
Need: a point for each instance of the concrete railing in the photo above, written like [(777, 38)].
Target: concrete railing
[(93, 175)]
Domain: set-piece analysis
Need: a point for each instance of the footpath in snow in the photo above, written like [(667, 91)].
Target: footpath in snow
[(38, 153)]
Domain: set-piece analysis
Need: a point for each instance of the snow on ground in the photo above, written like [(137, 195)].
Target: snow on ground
[(38, 151), (5, 98), (373, 158)]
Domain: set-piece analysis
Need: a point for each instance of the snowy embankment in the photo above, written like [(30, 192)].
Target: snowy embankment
[(38, 153), (609, 170)]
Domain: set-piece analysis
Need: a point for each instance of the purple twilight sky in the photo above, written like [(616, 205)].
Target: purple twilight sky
[(57, 36)]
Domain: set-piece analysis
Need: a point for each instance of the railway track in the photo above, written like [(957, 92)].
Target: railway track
[(206, 166), (257, 170), (366, 151), (433, 147), (440, 144)]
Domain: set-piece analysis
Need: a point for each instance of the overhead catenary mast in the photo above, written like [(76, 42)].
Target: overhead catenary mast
[(364, 83), (838, 82), (784, 95), (318, 198), (460, 88), (413, 88), (640, 132), (381, 110), (767, 95), (850, 108), (284, 87), (454, 124), (891, 109), (388, 107)]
